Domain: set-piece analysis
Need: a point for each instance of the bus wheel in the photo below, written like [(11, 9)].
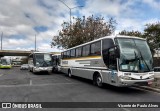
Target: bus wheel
[(69, 73), (30, 69), (33, 70), (99, 81)]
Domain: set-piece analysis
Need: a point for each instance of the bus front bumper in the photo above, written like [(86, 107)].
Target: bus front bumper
[(6, 67), (140, 82), (41, 69)]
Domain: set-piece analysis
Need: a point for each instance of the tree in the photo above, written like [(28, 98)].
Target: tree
[(82, 31), (131, 33), (152, 34)]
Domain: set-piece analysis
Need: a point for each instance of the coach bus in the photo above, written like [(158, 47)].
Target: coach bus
[(116, 60), (5, 63), (40, 61)]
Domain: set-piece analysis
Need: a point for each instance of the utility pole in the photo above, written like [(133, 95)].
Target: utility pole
[(1, 40), (35, 42)]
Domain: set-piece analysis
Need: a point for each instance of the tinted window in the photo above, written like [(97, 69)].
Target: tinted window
[(43, 60), (73, 53), (106, 44), (86, 50), (96, 48), (65, 55), (68, 54), (112, 59), (79, 52), (62, 54)]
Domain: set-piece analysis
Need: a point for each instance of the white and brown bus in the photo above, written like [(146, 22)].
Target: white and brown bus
[(115, 60)]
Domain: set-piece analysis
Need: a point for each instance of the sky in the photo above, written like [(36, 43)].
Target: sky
[(21, 20)]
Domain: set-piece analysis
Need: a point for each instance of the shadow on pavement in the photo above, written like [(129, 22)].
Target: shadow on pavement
[(42, 73), (123, 90)]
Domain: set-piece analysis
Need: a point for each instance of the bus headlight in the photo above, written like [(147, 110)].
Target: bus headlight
[(125, 77)]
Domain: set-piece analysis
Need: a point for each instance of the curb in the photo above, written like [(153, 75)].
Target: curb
[(149, 88)]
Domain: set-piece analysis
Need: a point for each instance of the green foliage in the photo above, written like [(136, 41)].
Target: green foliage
[(82, 31), (131, 33), (152, 34)]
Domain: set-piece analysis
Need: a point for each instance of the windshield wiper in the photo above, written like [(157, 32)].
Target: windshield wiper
[(44, 63), (136, 57)]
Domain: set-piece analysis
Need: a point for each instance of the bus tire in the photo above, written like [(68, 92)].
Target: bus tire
[(97, 80), (33, 71), (69, 73)]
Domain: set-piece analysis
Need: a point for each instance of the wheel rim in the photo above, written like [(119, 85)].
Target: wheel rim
[(99, 81)]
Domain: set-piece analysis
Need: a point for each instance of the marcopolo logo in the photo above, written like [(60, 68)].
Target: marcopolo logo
[(6, 105)]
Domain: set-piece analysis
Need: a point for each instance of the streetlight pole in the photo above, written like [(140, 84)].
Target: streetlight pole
[(70, 10), (35, 42), (1, 40)]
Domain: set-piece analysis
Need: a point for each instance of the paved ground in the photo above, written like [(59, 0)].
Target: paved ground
[(156, 83), (22, 86)]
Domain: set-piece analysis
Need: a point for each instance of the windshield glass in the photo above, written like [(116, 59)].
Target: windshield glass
[(5, 62), (135, 55), (43, 60)]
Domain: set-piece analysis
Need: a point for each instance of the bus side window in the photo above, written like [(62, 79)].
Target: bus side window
[(73, 53), (79, 52), (86, 50), (106, 44), (96, 48), (112, 59), (68, 54), (65, 55)]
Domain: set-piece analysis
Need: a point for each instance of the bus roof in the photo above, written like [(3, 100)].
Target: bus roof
[(124, 36), (111, 37), (40, 53)]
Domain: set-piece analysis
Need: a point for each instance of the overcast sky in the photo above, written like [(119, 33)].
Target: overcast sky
[(20, 20)]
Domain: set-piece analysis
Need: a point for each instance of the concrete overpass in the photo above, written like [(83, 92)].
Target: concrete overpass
[(17, 53)]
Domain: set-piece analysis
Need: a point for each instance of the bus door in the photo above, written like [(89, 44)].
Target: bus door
[(112, 65)]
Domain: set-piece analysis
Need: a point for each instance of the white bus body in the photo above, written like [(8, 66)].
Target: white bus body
[(40, 61), (116, 60)]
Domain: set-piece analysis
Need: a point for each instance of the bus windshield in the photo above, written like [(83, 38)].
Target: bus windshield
[(43, 60), (5, 62), (135, 55)]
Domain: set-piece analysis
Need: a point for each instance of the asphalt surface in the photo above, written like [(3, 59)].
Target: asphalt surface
[(23, 86)]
